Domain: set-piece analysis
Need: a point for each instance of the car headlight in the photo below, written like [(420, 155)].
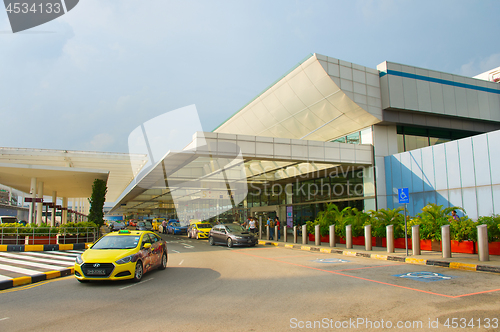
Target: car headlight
[(125, 260), (79, 260), (238, 237)]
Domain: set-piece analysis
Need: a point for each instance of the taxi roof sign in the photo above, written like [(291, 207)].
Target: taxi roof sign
[(124, 231)]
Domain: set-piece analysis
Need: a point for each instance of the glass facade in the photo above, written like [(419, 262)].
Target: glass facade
[(412, 138)]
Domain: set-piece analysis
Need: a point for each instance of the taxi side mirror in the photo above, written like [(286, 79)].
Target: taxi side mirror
[(147, 245)]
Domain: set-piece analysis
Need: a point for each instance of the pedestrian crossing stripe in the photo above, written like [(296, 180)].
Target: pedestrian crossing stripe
[(50, 264)]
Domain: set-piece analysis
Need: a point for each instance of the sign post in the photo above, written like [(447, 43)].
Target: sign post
[(404, 198)]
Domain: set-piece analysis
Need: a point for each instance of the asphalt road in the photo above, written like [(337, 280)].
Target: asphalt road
[(209, 288)]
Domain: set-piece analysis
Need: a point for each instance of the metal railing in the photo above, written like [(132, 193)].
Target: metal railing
[(47, 235)]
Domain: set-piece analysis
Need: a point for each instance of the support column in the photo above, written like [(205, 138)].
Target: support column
[(54, 201), (31, 218), (39, 206), (64, 213)]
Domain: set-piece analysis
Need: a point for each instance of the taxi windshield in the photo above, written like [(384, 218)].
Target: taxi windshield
[(117, 242)]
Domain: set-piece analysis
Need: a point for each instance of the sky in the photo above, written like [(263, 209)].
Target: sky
[(87, 79)]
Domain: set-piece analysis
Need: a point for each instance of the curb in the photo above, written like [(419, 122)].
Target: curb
[(42, 247), (409, 260), (5, 284)]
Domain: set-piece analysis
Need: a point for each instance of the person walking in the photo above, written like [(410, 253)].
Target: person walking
[(277, 223), (270, 223), (164, 226), (251, 225)]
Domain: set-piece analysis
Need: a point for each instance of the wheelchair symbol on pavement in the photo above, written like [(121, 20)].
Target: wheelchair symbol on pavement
[(330, 260), (424, 276)]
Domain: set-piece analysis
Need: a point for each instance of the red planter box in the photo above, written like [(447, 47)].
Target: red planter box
[(493, 248), (323, 238), (42, 240), (400, 243), (464, 247)]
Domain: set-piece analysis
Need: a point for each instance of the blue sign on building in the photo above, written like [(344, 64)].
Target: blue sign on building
[(403, 195)]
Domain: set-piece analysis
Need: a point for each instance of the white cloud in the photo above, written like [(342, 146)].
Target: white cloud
[(480, 65)]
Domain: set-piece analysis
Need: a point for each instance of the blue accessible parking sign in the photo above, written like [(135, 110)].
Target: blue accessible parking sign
[(424, 276), (403, 195)]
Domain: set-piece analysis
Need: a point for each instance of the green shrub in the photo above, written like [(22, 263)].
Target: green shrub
[(384, 217), (493, 225)]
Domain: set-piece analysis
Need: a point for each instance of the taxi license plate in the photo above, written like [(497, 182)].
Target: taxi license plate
[(96, 272)]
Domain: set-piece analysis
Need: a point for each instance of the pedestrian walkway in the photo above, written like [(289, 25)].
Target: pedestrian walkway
[(20, 268), (460, 261)]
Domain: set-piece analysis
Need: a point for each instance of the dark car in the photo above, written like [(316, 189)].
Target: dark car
[(176, 228), (231, 235), (144, 226), (116, 226)]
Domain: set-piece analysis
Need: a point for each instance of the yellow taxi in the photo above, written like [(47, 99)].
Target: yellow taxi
[(199, 230), (122, 255)]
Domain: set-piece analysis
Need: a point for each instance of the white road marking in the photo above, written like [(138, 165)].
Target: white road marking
[(136, 284), (181, 262), (187, 245), (177, 252), (43, 266), (2, 278), (18, 270), (43, 255), (64, 253), (37, 259), (4, 318)]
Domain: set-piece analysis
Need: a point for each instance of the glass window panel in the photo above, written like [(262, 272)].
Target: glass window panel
[(340, 139), (435, 140), (401, 143), (415, 142), (353, 138)]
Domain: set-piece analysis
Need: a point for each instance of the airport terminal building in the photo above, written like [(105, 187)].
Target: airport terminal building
[(330, 131)]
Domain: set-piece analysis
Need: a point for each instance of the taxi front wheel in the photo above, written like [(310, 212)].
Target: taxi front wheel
[(138, 271), (163, 264)]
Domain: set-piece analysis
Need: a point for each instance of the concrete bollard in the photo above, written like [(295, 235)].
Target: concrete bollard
[(482, 243), (294, 234), (390, 238), (276, 232), (415, 239), (304, 234), (348, 237), (332, 235), (260, 227), (267, 232), (446, 241), (285, 234), (368, 237), (317, 236)]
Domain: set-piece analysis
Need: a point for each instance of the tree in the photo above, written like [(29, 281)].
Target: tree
[(96, 214)]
